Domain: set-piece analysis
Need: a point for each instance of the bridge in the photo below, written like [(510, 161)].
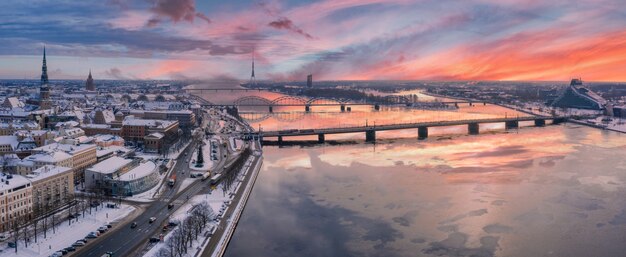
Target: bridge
[(343, 104), (473, 127)]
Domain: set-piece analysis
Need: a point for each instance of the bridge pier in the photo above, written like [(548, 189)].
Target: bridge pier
[(471, 104), (456, 105), (321, 138), (370, 136), (343, 108), (271, 109), (377, 107), (473, 128), (307, 108), (556, 121), (540, 122), (280, 140), (513, 124), (349, 109), (422, 133), (484, 103)]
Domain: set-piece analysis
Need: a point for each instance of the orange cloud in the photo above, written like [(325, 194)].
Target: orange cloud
[(548, 55)]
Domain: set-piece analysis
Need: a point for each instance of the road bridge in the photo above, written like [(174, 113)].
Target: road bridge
[(473, 127)]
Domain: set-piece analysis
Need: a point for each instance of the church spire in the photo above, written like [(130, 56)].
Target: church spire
[(44, 69)]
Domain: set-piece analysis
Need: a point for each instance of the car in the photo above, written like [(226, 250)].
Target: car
[(70, 249), (133, 225), (102, 230), (63, 251), (107, 254), (154, 239), (170, 206), (152, 219), (78, 243), (109, 225), (3, 238), (172, 224), (165, 228)]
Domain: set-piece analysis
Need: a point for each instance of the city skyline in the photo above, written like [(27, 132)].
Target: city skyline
[(334, 40)]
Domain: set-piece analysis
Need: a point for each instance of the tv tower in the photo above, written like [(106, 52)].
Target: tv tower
[(252, 78)]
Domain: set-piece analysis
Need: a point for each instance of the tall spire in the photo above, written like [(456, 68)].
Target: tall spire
[(252, 78), (44, 69)]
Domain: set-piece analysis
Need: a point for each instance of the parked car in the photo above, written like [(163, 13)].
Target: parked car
[(78, 243), (154, 239), (70, 249), (3, 238), (109, 225), (170, 206), (152, 219), (133, 225)]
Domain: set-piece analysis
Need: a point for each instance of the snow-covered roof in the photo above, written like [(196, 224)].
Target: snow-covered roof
[(9, 181), (47, 171), (156, 135), (110, 165), (9, 140), (49, 157), (140, 171), (148, 123), (71, 149)]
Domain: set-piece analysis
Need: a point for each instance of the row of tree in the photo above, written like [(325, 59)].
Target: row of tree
[(188, 230), (47, 216)]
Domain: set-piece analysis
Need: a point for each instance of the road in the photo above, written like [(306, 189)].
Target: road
[(124, 241), (221, 228)]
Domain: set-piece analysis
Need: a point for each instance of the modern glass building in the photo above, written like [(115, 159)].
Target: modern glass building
[(577, 96)]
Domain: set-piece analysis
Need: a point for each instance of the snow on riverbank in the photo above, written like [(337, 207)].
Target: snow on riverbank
[(66, 234)]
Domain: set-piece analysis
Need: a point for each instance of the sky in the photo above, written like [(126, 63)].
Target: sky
[(331, 39)]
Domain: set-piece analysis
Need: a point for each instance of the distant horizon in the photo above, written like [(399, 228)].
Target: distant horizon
[(243, 81)]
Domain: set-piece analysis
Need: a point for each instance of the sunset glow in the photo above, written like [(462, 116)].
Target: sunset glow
[(333, 39)]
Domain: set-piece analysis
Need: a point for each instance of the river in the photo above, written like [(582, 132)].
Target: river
[(551, 191)]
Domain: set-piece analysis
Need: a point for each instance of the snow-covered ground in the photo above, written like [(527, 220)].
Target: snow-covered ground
[(218, 201), (206, 154), (66, 234)]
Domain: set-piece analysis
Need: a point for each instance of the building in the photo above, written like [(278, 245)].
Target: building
[(12, 102), (8, 144), (136, 129), (577, 96), (104, 117), (38, 160), (619, 111), (108, 140), (52, 187), (81, 155), (9, 128), (309, 81), (185, 118), (15, 199), (44, 89), (153, 142), (120, 176), (136, 181), (100, 129), (89, 84)]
